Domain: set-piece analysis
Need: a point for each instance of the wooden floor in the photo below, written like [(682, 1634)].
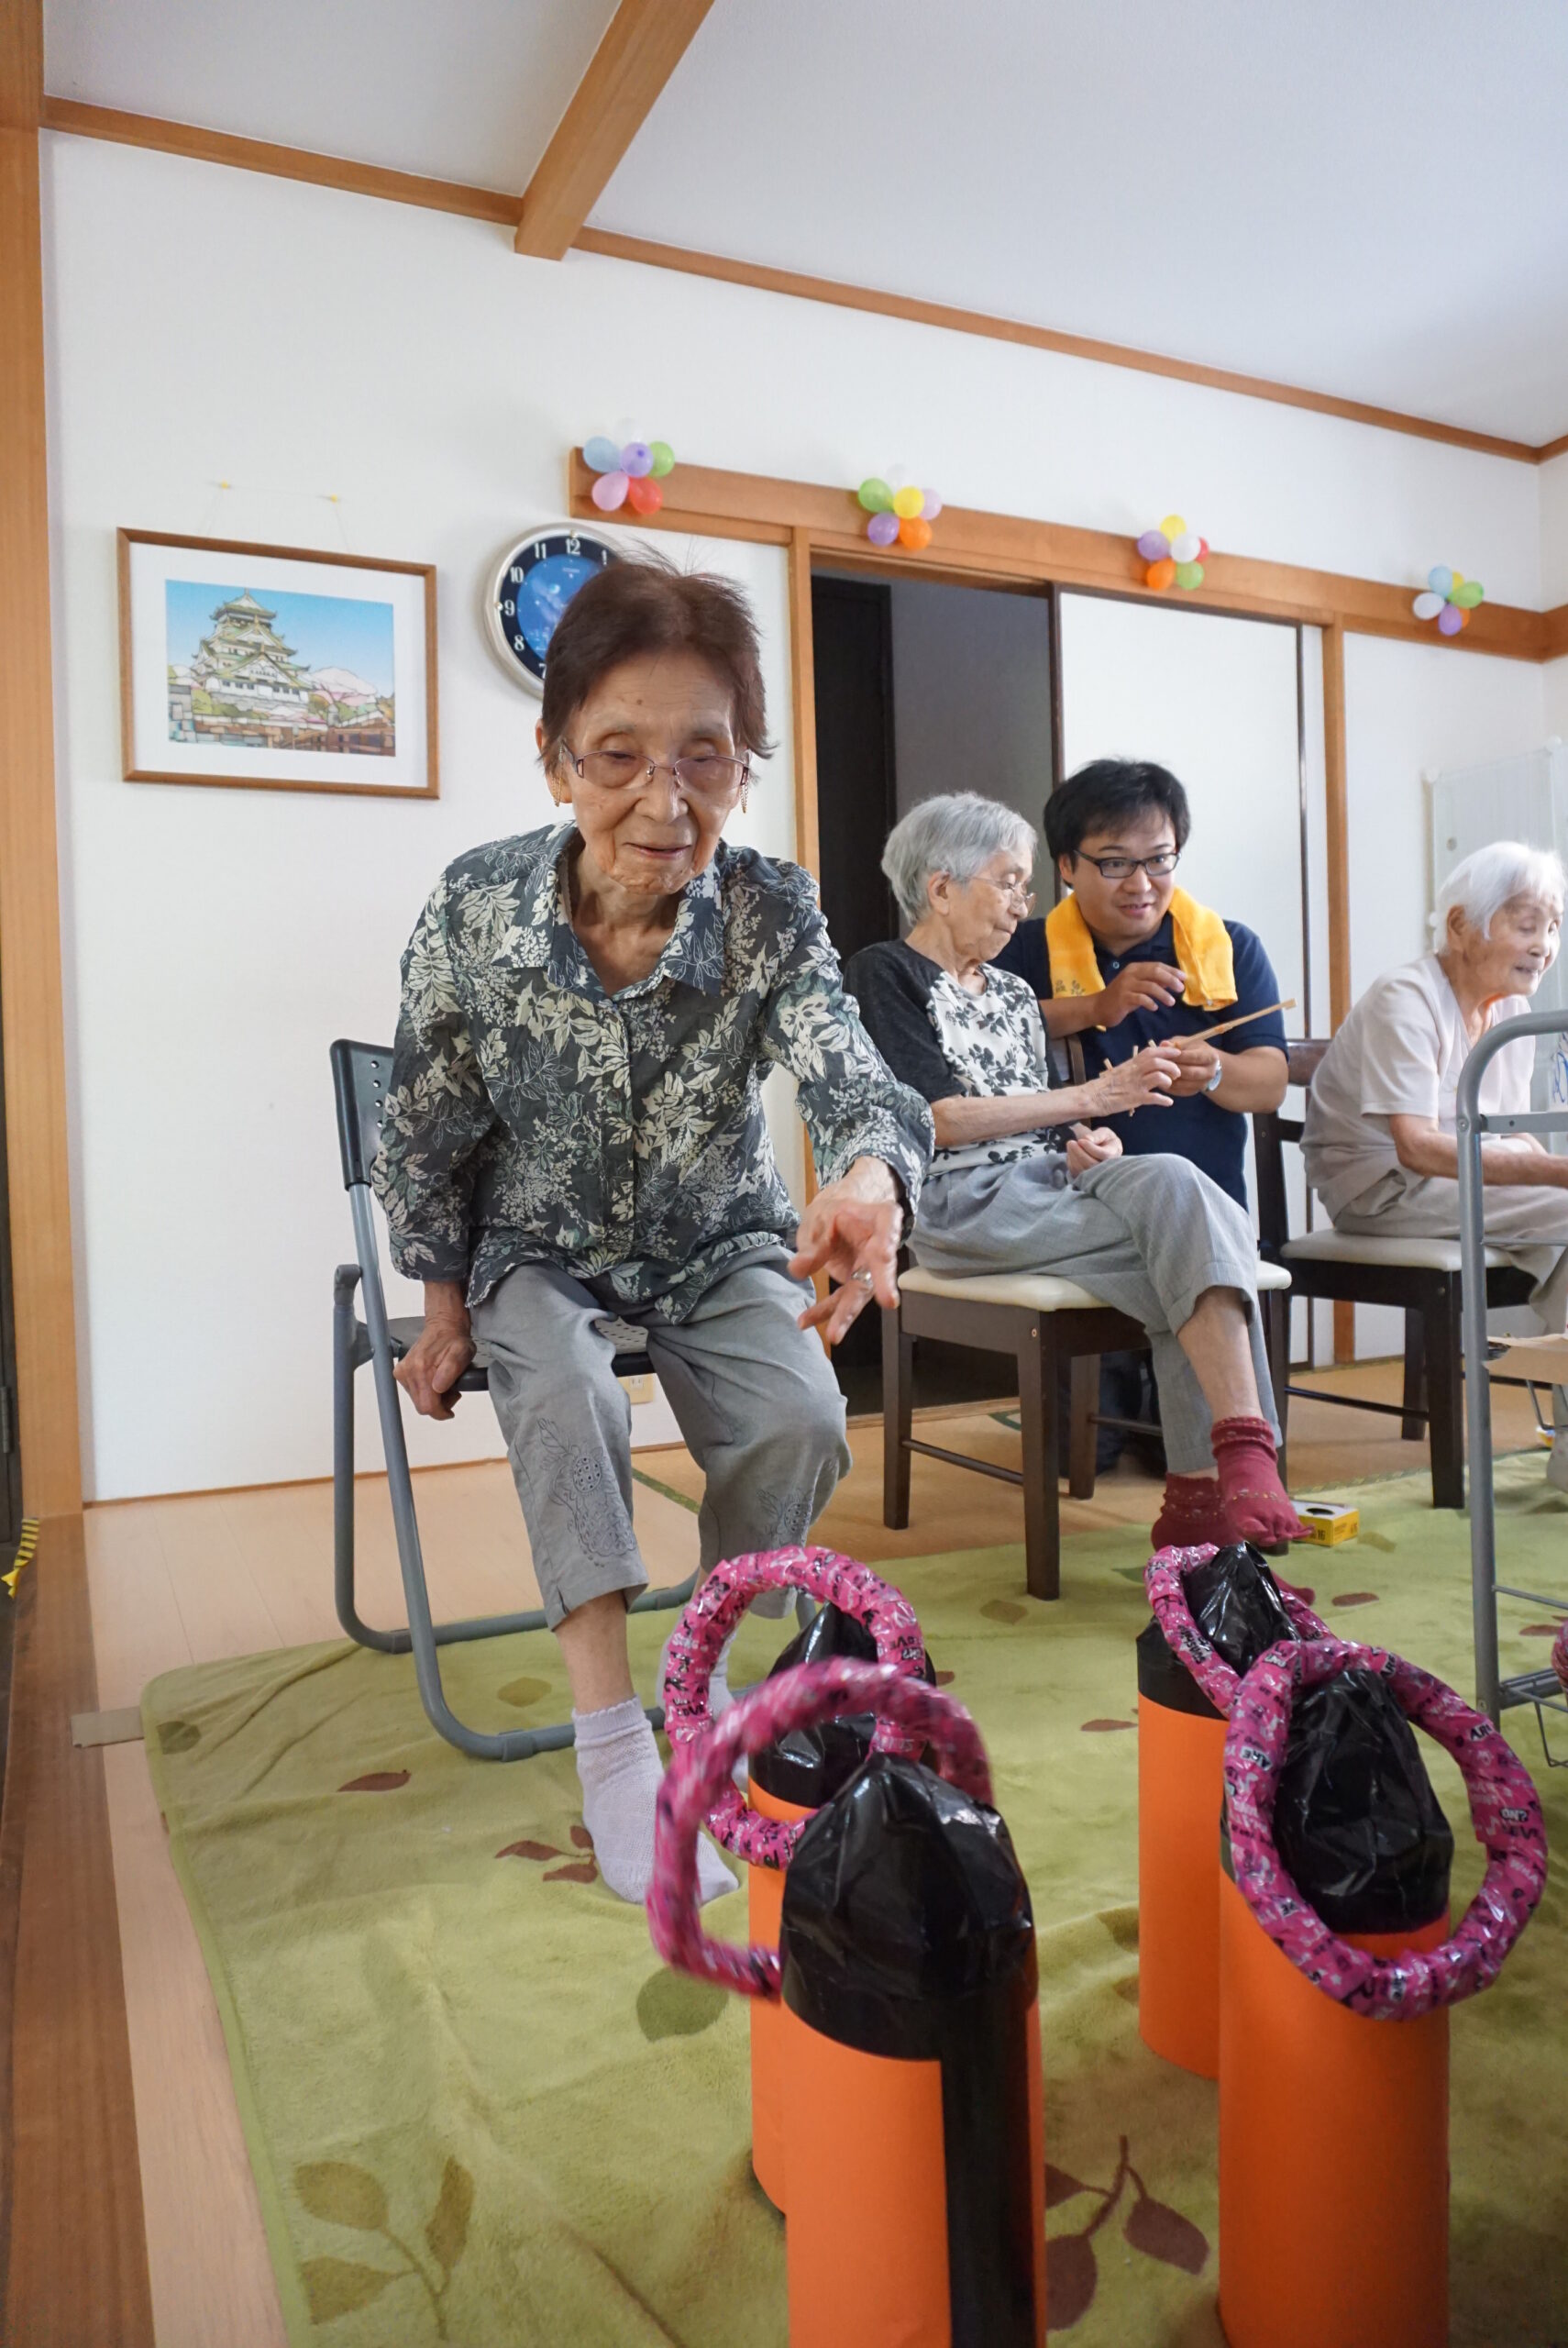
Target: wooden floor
[(194, 1580)]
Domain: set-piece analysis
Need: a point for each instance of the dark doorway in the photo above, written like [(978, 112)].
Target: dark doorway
[(852, 635)]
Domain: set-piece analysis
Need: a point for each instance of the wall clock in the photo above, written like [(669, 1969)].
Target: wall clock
[(531, 587)]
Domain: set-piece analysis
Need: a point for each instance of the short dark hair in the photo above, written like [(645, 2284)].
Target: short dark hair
[(632, 608), (1107, 790)]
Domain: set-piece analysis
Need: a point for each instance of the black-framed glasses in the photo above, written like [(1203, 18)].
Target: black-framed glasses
[(1122, 868), (705, 774)]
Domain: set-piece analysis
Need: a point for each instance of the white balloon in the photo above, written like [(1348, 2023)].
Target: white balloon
[(1427, 605), (1185, 548)]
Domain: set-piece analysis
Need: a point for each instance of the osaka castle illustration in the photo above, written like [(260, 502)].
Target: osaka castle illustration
[(244, 685)]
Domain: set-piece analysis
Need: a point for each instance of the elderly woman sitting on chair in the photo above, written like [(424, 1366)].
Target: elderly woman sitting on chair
[(1150, 1235), (573, 1136), (1379, 1139)]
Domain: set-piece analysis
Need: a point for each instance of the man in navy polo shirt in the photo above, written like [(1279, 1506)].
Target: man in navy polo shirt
[(1131, 960)]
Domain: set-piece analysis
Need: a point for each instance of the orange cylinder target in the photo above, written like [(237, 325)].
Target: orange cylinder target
[(1180, 1783), (765, 1898)]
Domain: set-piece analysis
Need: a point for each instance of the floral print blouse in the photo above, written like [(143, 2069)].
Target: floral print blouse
[(532, 1118)]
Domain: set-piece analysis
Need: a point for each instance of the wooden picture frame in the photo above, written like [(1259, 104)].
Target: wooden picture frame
[(212, 693)]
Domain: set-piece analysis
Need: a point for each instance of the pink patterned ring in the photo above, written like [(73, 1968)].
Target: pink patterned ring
[(706, 1623), (1504, 1809), (1165, 1578), (701, 1766)]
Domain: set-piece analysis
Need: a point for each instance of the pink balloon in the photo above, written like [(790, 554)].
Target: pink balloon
[(932, 505), (1450, 620), (609, 491), (882, 530)]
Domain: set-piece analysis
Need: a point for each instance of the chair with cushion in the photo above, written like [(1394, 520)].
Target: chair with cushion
[(1043, 1323), (1419, 1277), (359, 1073)]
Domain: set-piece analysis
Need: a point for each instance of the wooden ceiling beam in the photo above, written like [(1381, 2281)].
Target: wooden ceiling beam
[(644, 43)]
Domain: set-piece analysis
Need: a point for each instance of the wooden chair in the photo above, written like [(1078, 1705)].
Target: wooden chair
[(1042, 1321), (1418, 1277)]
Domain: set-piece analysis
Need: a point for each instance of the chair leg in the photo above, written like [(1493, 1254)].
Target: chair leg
[(1445, 1392), (897, 1409), (1274, 1306), (1413, 1425), (345, 1361), (1037, 1371), (1082, 1434)]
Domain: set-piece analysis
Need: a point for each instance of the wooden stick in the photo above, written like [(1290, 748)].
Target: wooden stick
[(1206, 1035)]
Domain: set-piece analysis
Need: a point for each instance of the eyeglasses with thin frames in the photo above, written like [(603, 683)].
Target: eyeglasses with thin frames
[(1122, 868), (705, 775)]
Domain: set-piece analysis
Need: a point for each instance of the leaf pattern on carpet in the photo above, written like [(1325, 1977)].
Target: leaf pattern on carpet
[(1153, 2227), (341, 2193), (1002, 1610), (178, 1736), (583, 1870), (1092, 1727), (377, 1781), (675, 2005), (521, 1693), (1354, 1598)]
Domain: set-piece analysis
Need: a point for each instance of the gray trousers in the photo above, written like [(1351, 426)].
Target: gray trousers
[(1147, 1235), (754, 1396), (1530, 1225)]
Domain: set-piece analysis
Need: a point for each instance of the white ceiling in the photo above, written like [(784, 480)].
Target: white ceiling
[(1367, 196)]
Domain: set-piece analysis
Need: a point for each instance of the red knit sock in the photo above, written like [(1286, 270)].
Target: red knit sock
[(1255, 1500), (1192, 1512)]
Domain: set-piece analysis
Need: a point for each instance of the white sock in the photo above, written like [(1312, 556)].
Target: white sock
[(618, 1766)]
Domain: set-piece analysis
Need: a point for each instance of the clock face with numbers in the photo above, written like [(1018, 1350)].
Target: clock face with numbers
[(531, 587)]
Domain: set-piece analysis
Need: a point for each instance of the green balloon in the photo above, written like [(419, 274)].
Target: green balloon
[(1189, 574), (874, 495), (663, 457), (1468, 594)]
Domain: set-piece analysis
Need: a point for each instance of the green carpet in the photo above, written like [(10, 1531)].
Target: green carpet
[(479, 2111)]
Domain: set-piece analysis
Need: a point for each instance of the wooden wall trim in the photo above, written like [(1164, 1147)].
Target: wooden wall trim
[(505, 209), (843, 297), (1337, 815), (642, 44), (30, 998), (1006, 548)]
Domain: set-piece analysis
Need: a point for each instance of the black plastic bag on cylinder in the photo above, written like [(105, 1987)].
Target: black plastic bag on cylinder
[(808, 1765), (1357, 1822), (1234, 1599)]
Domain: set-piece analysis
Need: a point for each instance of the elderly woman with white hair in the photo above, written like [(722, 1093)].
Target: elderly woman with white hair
[(1023, 1181), (1379, 1138)]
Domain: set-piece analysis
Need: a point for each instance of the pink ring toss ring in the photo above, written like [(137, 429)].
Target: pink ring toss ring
[(707, 1622), (699, 1768), (1504, 1809), (1165, 1578)]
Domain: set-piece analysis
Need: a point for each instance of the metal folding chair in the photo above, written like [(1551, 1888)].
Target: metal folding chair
[(359, 1074)]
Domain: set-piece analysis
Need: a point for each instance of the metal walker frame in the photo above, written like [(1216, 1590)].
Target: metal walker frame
[(1495, 1694)]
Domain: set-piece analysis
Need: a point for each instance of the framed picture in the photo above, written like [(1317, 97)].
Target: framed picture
[(276, 668)]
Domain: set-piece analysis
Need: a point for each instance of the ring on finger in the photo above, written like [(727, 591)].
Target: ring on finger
[(862, 1278)]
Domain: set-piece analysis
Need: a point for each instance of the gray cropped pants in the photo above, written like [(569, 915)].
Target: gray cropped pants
[(754, 1396), (1147, 1235)]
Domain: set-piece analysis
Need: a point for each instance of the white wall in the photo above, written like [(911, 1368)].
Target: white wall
[(208, 325)]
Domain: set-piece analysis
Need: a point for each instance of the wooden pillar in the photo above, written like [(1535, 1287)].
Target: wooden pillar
[(803, 703), (29, 881), (1338, 816)]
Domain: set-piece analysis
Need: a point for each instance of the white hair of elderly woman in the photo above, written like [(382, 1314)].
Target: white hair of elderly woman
[(1490, 878), (956, 834)]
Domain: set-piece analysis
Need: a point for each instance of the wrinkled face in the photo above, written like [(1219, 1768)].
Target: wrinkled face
[(1123, 909), (981, 914), (646, 836), (1520, 950)]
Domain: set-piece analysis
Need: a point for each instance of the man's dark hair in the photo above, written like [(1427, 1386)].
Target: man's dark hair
[(632, 608), (1109, 792)]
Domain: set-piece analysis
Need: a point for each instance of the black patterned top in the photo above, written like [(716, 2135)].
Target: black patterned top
[(532, 1118), (941, 1040)]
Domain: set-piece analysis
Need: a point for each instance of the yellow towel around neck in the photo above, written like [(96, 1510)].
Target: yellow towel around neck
[(1202, 950)]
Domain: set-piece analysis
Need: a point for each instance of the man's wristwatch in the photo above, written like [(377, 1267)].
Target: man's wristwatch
[(1213, 1083)]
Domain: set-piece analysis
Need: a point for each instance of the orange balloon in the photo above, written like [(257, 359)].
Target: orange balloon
[(914, 532), (1464, 616), (643, 494), (1161, 574)]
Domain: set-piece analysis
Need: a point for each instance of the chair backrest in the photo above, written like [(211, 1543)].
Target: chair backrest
[(1270, 1133), (359, 1073)]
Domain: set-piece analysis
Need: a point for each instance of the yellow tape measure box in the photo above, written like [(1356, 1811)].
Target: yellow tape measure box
[(1328, 1522)]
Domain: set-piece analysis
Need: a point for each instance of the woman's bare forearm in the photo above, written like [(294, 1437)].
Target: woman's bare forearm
[(1424, 1148), (962, 1119)]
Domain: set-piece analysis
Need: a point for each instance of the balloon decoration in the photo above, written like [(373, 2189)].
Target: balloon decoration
[(629, 475), (1449, 598), (1175, 555), (898, 515)]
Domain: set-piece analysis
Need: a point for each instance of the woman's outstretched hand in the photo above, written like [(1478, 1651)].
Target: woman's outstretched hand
[(852, 1234), (1146, 1080), (1091, 1145), (429, 1371)]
